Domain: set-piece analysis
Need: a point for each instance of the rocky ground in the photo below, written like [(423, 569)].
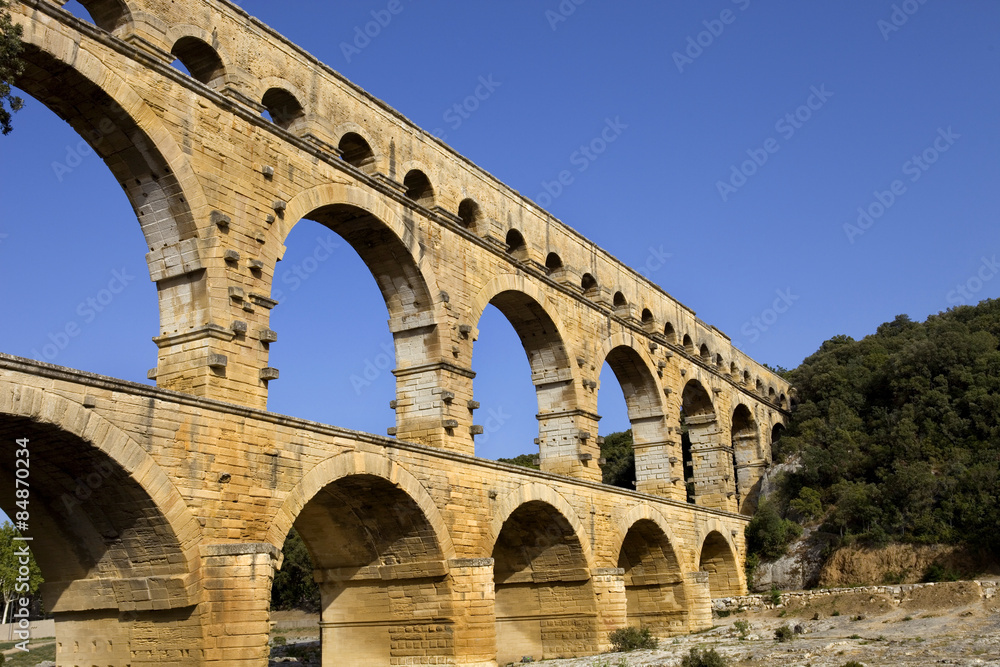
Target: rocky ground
[(946, 624)]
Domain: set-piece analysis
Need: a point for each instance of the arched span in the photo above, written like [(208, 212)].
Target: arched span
[(644, 512), (127, 500), (535, 493), (717, 556), (184, 33), (534, 319), (389, 246), (634, 372), (114, 119), (350, 464)]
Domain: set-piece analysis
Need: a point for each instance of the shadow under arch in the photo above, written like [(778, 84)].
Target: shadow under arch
[(538, 327), (718, 557), (655, 591), (380, 554), (545, 600), (109, 528)]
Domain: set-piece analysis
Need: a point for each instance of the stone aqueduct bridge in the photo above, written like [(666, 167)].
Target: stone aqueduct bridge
[(158, 514)]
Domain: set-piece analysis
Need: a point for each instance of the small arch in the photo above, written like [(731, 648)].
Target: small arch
[(107, 15), (746, 376), (282, 107), (705, 353), (356, 151), (669, 333), (201, 61), (418, 188), (620, 301), (589, 284), (688, 344), (772, 395), (783, 401), (760, 387), (719, 362), (517, 247), (470, 213), (647, 317), (717, 558), (553, 262), (733, 370), (776, 432)]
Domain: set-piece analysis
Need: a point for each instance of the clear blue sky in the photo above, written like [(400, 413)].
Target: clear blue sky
[(885, 96)]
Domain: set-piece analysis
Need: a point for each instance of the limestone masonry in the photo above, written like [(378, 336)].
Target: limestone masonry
[(159, 513)]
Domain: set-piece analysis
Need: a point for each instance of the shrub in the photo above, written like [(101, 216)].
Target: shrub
[(742, 627), (632, 639), (774, 596), (936, 573), (768, 534), (279, 641), (853, 663), (707, 658), (784, 634)]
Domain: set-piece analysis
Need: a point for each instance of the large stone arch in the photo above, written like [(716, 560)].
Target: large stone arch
[(747, 456), (380, 552), (536, 321), (719, 557), (709, 455), (542, 575), (114, 539), (655, 586), (656, 453), (358, 463)]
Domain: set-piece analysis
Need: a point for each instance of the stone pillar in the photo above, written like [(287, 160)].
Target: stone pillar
[(567, 441), (475, 611), (659, 465), (237, 583), (434, 405), (712, 464), (699, 601), (612, 606)]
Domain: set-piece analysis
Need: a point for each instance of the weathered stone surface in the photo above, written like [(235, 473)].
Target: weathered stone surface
[(157, 502)]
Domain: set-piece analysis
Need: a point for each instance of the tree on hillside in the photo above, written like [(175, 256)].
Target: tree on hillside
[(899, 432), (11, 67), (9, 569), (294, 587), (619, 456)]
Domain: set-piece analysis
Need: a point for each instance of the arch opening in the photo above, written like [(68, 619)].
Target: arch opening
[(717, 558), (200, 60), (470, 213), (589, 285), (550, 375), (654, 585), (94, 526), (317, 266), (705, 353), (108, 15), (357, 152), (553, 262), (283, 109), (418, 188), (746, 454), (379, 565), (669, 333), (700, 445), (688, 344), (517, 247), (545, 602)]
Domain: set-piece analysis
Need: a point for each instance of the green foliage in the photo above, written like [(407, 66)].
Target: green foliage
[(936, 572), (11, 66), (707, 658), (619, 469), (293, 586), (742, 627), (853, 663), (784, 634), (768, 535), (899, 433), (279, 641), (808, 503), (523, 460), (774, 596), (9, 565), (631, 638)]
